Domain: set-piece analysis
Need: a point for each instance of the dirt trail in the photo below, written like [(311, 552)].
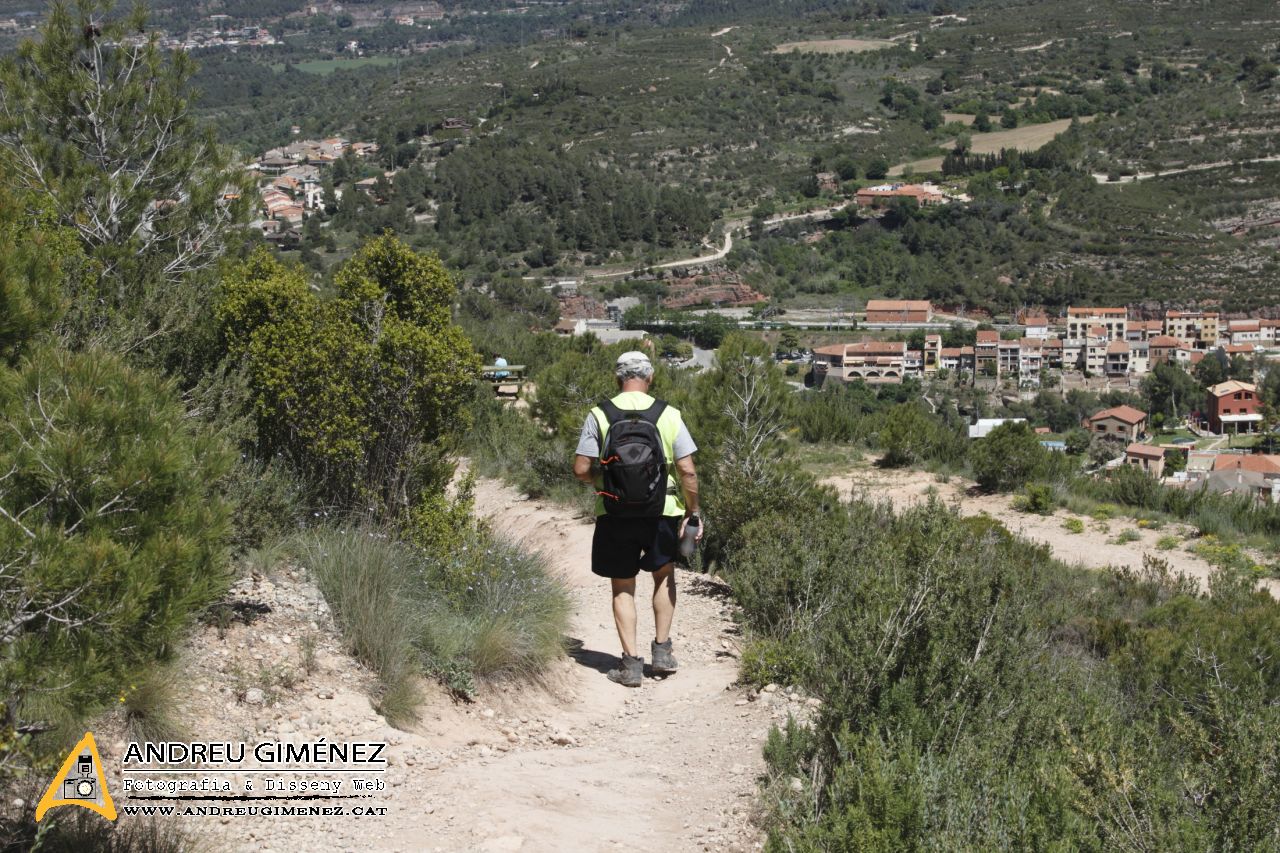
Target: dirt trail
[(669, 766), (573, 763)]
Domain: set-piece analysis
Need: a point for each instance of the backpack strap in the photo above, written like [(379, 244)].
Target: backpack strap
[(654, 412), (612, 413)]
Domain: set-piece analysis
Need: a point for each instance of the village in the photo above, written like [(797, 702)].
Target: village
[(1102, 343), (1087, 342), (291, 183)]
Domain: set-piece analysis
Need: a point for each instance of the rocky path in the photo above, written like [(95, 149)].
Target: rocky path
[(574, 763), (589, 765)]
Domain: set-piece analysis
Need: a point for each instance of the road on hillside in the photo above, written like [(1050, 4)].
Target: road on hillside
[(1199, 167), (726, 244)]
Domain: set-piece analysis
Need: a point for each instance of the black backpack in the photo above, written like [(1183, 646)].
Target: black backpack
[(633, 462)]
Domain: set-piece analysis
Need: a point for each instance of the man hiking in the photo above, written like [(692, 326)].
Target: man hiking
[(633, 448)]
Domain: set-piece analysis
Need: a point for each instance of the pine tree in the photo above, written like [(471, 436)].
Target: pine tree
[(97, 118)]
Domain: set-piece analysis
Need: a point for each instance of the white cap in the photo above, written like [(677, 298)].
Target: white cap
[(633, 364)]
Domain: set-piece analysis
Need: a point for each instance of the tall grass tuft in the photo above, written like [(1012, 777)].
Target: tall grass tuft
[(362, 573), (77, 830), (484, 609)]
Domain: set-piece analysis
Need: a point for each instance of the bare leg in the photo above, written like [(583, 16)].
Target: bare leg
[(624, 612), (664, 601)]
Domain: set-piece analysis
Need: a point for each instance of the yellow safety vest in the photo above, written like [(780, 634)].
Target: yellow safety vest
[(668, 429)]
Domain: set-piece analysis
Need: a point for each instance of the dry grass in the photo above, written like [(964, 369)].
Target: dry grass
[(835, 46), (1027, 138)]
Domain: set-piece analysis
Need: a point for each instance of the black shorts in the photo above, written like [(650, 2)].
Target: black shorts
[(623, 546)]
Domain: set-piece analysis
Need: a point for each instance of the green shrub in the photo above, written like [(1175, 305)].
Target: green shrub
[(1073, 525), (908, 434), (34, 257), (112, 527), (1104, 512), (1007, 457), (359, 392), (1226, 555), (1126, 536), (1036, 498), (979, 695), (1167, 543)]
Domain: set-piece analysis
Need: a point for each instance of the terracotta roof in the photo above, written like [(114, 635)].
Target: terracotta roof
[(1257, 463), (1053, 343), (951, 352), (865, 348), (1117, 346), (1238, 349), (877, 348), (1125, 414), (988, 336), (1144, 450), (1035, 320), (906, 191), (898, 305), (1245, 325), (1173, 315), (1231, 386), (1109, 312), (1165, 341), (1098, 331)]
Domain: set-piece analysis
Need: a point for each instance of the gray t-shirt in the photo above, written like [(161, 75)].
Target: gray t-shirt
[(589, 440)]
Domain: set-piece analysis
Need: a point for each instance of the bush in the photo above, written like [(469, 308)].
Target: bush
[(112, 531), (1073, 525), (979, 695), (34, 258), (907, 434), (482, 609), (1126, 536), (1007, 457), (359, 392), (1036, 498), (1167, 543)]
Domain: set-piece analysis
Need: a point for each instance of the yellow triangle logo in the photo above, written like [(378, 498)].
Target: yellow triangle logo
[(80, 782)]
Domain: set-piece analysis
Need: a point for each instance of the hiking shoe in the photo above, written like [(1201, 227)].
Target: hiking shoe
[(663, 660), (630, 673)]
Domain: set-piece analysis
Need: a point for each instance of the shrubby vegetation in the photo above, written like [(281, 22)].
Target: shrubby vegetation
[(979, 694), (139, 353), (359, 392), (112, 534)]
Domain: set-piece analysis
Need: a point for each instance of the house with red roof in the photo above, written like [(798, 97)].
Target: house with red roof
[(1123, 422)]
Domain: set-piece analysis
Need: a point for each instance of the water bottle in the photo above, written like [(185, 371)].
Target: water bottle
[(689, 539)]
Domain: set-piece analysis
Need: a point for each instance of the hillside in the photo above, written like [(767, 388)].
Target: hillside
[(724, 114)]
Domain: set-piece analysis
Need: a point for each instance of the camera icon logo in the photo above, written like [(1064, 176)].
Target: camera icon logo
[(80, 782), (83, 785)]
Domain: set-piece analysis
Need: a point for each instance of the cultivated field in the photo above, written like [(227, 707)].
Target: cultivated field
[(1027, 138), (328, 66), (835, 46)]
